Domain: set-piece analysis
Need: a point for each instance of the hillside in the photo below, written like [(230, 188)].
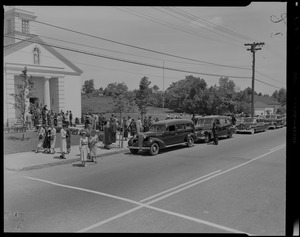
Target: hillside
[(99, 104)]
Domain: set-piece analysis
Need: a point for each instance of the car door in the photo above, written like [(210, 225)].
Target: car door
[(169, 136), (181, 133), (222, 127)]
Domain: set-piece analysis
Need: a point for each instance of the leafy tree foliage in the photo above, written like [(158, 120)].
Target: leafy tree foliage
[(280, 96), (21, 98), (142, 96), (88, 86), (113, 88)]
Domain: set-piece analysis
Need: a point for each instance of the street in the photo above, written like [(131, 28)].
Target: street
[(237, 186)]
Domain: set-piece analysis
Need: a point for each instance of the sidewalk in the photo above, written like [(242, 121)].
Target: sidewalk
[(31, 160)]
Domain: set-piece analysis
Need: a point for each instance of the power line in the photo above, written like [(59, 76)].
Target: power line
[(126, 60), (115, 51), (171, 25), (209, 24), (131, 72), (132, 46)]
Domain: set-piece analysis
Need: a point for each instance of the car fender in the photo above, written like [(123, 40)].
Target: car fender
[(159, 141), (191, 135)]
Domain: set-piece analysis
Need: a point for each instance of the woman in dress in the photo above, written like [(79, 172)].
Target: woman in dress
[(40, 134), (107, 135), (93, 139), (68, 140), (47, 139), (83, 148), (53, 138), (63, 142)]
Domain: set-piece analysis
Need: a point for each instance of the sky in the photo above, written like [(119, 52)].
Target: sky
[(213, 37)]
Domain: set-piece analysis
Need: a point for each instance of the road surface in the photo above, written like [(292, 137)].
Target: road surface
[(237, 186)]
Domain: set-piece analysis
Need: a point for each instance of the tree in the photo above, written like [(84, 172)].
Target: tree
[(114, 87), (21, 98), (88, 86), (186, 95), (142, 96), (122, 102)]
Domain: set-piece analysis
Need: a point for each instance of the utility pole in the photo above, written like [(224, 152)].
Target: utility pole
[(253, 47)]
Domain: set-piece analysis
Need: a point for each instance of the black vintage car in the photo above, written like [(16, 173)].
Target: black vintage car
[(274, 121), (251, 125), (204, 125), (163, 134)]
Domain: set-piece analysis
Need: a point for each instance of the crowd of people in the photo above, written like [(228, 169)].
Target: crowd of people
[(47, 122), (43, 116)]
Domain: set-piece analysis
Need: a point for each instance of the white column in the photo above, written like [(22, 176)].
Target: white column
[(47, 93)]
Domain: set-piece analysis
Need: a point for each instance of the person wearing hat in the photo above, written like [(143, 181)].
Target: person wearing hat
[(93, 139), (63, 142), (40, 134), (83, 148)]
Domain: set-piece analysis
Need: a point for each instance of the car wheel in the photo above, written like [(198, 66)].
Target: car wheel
[(154, 149), (190, 141), (134, 151), (229, 135), (207, 138)]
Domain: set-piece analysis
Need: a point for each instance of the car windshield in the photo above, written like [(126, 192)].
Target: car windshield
[(158, 128), (204, 121), (249, 120)]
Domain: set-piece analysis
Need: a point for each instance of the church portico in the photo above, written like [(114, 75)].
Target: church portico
[(57, 81)]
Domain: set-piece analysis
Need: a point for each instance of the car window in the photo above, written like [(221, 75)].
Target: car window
[(189, 126), (222, 121), (171, 128), (158, 128), (180, 127)]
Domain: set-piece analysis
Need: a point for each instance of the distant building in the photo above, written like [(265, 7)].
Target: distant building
[(265, 105), (57, 81)]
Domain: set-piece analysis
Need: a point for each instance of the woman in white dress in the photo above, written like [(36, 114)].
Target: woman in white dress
[(63, 143), (53, 138), (83, 148), (93, 139), (41, 134)]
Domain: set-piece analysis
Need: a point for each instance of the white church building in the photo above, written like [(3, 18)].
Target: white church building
[(57, 81)]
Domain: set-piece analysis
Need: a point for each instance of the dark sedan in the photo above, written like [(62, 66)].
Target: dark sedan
[(164, 134), (251, 125)]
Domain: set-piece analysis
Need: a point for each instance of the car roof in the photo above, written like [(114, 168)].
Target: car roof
[(173, 121), (212, 116)]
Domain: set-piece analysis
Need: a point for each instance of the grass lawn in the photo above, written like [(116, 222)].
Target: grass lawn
[(14, 144)]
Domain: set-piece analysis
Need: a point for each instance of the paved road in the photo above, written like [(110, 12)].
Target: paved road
[(237, 186)]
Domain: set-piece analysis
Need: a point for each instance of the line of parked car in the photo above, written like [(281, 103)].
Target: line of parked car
[(173, 132)]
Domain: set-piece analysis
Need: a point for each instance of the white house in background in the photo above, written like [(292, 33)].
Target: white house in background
[(57, 81)]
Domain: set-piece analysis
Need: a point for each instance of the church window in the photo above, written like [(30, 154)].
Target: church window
[(25, 26)]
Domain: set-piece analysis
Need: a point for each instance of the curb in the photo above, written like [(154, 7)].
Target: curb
[(66, 161)]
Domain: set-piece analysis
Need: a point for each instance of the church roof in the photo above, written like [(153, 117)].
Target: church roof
[(259, 104), (9, 49)]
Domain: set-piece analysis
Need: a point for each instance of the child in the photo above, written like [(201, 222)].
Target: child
[(83, 148), (92, 145)]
